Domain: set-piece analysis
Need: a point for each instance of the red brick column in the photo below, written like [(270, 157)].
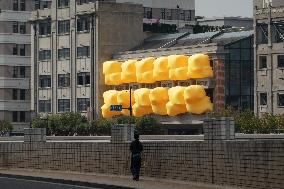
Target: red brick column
[(219, 90)]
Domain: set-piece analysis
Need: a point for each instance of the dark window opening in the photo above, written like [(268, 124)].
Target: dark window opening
[(44, 81), (44, 55), (63, 27), (63, 105), (22, 94), (15, 5), (280, 98), (263, 99), (63, 3), (64, 80), (280, 59), (83, 52), (83, 24), (45, 28), (64, 54), (22, 116), (83, 78), (83, 104), (45, 106), (15, 27), (262, 62), (23, 5)]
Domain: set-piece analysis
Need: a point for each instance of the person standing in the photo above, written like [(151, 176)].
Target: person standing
[(136, 148)]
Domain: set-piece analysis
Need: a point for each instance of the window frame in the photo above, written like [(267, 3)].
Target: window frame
[(65, 107), (63, 80), (83, 102), (46, 106), (81, 52), (63, 27), (278, 58), (278, 101), (261, 102), (260, 63), (44, 81)]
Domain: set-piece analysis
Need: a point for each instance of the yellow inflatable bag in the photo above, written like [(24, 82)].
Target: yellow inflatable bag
[(110, 97), (199, 67), (141, 97), (178, 67), (128, 73), (159, 98), (112, 72), (201, 106), (176, 95), (144, 70), (106, 113), (194, 93), (123, 98), (161, 70), (175, 109), (139, 111)]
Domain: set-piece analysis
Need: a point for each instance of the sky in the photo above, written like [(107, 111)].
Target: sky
[(211, 8)]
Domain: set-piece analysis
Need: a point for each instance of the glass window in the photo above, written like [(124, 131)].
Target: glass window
[(83, 24), (22, 116), (37, 4), (15, 116), (15, 49), (63, 105), (148, 12), (280, 59), (169, 14), (280, 99), (23, 28), (64, 54), (15, 27), (22, 94), (83, 52), (23, 5), (45, 28), (263, 99), (44, 81), (44, 106), (44, 55), (83, 78), (83, 104), (163, 13), (64, 80), (22, 71), (15, 72), (63, 27), (15, 94), (15, 5), (63, 3), (22, 50), (262, 62)]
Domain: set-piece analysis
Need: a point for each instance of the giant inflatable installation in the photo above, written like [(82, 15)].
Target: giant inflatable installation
[(161, 101)]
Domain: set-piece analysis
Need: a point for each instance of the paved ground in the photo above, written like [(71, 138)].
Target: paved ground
[(12, 183), (107, 180)]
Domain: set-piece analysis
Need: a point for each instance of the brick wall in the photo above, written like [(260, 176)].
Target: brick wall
[(244, 163)]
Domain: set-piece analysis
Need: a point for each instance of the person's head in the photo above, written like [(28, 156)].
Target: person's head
[(136, 136)]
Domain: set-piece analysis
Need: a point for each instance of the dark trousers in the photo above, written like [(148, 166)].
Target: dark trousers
[(135, 165)]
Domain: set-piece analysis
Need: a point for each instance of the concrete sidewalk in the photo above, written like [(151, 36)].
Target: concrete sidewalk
[(102, 181)]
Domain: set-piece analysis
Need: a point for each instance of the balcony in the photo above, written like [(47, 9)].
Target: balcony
[(14, 83), (18, 16), (15, 105), (12, 60), (15, 38), (41, 14)]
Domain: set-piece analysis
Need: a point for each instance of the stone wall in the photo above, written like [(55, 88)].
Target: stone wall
[(244, 163)]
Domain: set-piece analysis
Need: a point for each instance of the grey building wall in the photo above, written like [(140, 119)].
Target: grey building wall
[(15, 55), (110, 31), (268, 47), (227, 21)]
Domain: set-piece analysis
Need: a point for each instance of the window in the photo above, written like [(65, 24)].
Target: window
[(15, 116), (15, 94), (44, 106), (23, 28), (169, 14), (37, 4), (187, 15), (83, 78), (63, 27), (83, 24), (45, 28), (44, 81), (163, 13), (63, 105), (147, 12), (22, 71), (263, 99), (15, 5), (280, 98), (22, 94), (181, 15), (63, 3), (63, 53), (15, 27), (44, 55), (15, 49), (63, 80), (83, 52), (22, 50), (22, 116), (262, 62), (83, 104), (23, 5), (280, 59), (15, 72)]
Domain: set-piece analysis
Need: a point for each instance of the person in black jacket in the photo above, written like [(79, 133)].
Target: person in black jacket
[(136, 148)]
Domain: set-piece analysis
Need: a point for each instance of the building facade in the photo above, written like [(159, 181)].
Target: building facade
[(71, 40), (15, 67), (269, 57), (174, 12)]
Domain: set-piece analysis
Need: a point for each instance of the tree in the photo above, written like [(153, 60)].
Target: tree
[(148, 126), (5, 127)]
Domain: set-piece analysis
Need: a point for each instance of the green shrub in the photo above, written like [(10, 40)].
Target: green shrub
[(5, 127), (148, 126)]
